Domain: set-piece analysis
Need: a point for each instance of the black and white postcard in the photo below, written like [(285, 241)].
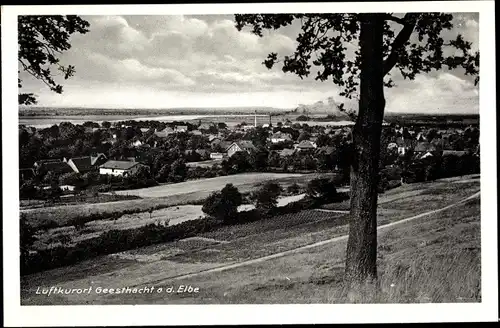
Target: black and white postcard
[(249, 163)]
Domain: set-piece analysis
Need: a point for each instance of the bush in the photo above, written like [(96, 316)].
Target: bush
[(293, 189), (322, 189), (391, 184), (113, 241), (382, 183), (223, 205), (266, 198), (26, 235)]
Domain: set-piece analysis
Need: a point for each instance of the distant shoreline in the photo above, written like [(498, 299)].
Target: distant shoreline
[(77, 111)]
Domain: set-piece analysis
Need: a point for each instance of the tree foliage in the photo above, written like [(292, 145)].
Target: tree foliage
[(322, 189), (224, 204), (41, 39), (26, 235), (329, 43), (266, 198)]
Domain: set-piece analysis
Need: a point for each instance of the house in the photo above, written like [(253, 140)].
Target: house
[(243, 145), (424, 146), (225, 144), (248, 127), (286, 152), (305, 145), (421, 137), (392, 146), (441, 144), (213, 137), (204, 126), (118, 168), (458, 153), (196, 133), (67, 188), (56, 166), (424, 149), (403, 145), (215, 141), (42, 162), (203, 153), (164, 133), (85, 164), (280, 137), (181, 128), (217, 155), (144, 130), (137, 143)]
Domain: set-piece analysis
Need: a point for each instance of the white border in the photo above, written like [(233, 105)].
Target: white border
[(15, 315)]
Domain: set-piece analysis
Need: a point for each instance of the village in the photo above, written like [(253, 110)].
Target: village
[(154, 152)]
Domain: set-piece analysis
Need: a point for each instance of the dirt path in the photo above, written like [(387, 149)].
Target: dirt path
[(302, 248)]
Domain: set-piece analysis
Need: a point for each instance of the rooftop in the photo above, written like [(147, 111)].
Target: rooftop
[(120, 165)]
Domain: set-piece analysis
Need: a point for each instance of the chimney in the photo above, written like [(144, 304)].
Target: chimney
[(255, 119)]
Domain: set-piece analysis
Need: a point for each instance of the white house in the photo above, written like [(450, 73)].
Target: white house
[(243, 145), (164, 133), (67, 188), (280, 137), (217, 155), (181, 128), (305, 145), (196, 133), (137, 143), (118, 168)]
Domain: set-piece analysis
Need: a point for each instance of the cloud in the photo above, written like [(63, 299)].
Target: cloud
[(206, 56), (444, 93)]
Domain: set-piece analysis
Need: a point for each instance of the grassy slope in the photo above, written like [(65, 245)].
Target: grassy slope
[(434, 258)]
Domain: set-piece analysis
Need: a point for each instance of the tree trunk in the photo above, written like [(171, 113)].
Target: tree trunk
[(361, 268)]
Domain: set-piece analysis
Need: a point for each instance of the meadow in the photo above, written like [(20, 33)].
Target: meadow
[(160, 197), (431, 257)]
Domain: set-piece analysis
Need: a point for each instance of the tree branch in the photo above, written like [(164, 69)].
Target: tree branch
[(36, 75), (410, 20)]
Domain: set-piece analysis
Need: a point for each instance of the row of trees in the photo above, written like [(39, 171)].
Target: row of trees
[(437, 167), (223, 204)]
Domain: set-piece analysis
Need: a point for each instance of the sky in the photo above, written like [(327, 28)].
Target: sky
[(204, 61)]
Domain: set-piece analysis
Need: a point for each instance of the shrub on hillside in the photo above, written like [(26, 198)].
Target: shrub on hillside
[(391, 184), (322, 189), (266, 198), (224, 204), (293, 189), (26, 235)]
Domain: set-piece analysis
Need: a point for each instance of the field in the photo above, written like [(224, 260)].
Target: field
[(74, 200), (167, 195), (243, 181), (431, 256), (69, 235)]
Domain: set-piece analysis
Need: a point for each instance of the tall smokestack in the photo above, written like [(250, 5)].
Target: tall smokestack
[(255, 118), (270, 120)]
